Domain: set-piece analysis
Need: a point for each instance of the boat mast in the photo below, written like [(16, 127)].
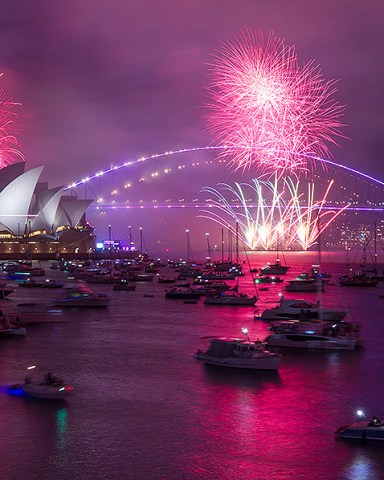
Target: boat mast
[(222, 244), (319, 279)]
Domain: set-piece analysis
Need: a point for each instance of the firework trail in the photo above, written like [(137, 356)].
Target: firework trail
[(267, 109), (8, 129), (277, 216)]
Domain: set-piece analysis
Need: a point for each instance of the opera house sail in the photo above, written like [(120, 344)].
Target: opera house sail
[(34, 217)]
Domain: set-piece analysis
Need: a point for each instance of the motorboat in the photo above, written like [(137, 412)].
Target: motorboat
[(81, 296), (303, 285), (310, 335), (363, 430), (182, 293), (50, 387), (239, 353), (301, 309), (231, 298)]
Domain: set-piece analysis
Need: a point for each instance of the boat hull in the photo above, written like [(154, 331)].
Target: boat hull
[(261, 363), (361, 431), (228, 300), (301, 340)]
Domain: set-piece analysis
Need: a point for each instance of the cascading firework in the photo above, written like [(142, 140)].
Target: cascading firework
[(270, 214), (270, 112)]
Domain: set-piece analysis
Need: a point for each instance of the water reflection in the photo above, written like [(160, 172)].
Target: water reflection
[(363, 466)]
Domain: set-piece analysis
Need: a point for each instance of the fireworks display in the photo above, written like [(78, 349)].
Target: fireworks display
[(8, 128), (269, 214), (269, 111)]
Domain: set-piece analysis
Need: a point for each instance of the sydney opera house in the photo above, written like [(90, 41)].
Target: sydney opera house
[(36, 220)]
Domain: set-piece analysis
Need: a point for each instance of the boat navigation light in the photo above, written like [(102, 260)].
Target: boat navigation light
[(360, 414), (31, 367)]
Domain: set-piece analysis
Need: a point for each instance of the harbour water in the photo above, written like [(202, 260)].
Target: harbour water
[(144, 408)]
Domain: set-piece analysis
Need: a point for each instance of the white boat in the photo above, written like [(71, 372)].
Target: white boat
[(300, 309), (239, 353), (362, 430), (80, 295), (303, 285), (50, 387), (231, 298)]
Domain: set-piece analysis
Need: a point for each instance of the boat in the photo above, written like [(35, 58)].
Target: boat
[(309, 335), (363, 430), (182, 293), (30, 283), (231, 298), (301, 309), (239, 353), (31, 313), (141, 276), (9, 330), (361, 279), (124, 285), (81, 296), (52, 284), (50, 387), (303, 285), (274, 269), (165, 279), (267, 279)]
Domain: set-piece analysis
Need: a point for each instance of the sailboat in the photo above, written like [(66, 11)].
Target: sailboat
[(232, 296), (276, 268)]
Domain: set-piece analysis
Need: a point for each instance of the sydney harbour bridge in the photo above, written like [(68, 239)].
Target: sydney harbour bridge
[(187, 178)]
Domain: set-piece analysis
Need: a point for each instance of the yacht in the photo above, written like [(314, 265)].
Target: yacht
[(303, 285), (299, 309), (239, 353), (313, 335)]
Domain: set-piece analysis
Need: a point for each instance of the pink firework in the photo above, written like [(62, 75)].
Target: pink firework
[(8, 128), (269, 111)]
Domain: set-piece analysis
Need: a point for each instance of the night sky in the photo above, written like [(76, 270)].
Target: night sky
[(102, 82)]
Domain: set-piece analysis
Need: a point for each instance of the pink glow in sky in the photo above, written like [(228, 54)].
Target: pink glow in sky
[(109, 81)]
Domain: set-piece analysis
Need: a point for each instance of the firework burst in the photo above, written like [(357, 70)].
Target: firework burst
[(269, 111), (269, 214), (9, 151)]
